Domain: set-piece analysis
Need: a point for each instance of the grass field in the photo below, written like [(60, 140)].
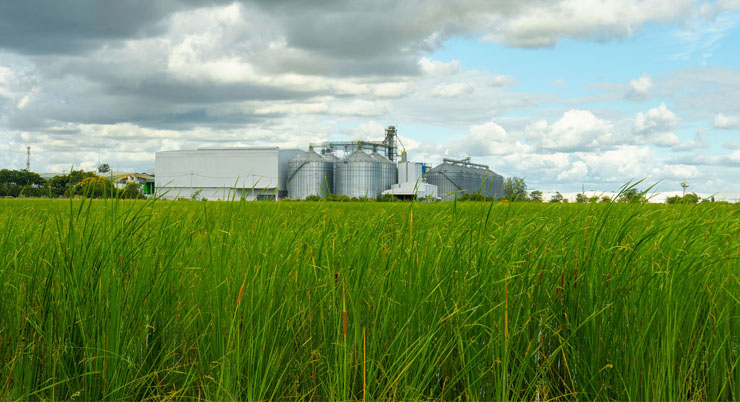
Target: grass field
[(368, 301)]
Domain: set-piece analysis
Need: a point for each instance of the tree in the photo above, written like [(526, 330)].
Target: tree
[(536, 196), (557, 197), (631, 195), (132, 190), (16, 182), (676, 199), (61, 185), (96, 187), (581, 198), (103, 168), (690, 198), (515, 189)]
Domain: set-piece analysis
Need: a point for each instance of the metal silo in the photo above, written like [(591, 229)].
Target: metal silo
[(331, 157), (358, 175), (449, 178), (473, 180), (334, 160), (310, 174), (494, 184), (388, 171)]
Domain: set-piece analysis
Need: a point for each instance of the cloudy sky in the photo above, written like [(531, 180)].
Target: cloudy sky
[(566, 93)]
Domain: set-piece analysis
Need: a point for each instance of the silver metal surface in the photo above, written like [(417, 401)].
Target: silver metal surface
[(449, 180), (388, 171), (358, 175), (465, 177), (310, 174)]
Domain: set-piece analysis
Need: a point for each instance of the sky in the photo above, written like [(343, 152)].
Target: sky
[(568, 94)]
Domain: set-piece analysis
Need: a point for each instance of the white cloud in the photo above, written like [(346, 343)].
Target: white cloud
[(639, 87), (656, 127), (436, 68), (699, 141), (452, 89), (725, 121), (577, 130), (488, 139), (577, 172), (502, 81), (539, 25), (731, 145)]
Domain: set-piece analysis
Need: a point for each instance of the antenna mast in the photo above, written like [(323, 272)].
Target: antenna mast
[(28, 159)]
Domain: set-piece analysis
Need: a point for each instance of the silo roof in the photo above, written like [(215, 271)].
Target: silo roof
[(447, 168), (359, 156), (380, 158), (330, 157), (309, 156)]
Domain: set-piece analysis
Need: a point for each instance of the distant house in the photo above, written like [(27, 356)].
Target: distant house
[(146, 180)]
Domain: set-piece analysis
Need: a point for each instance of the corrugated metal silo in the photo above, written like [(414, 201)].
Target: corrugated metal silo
[(358, 175), (448, 178), (473, 182), (334, 160), (497, 188), (310, 174), (331, 157), (388, 171)]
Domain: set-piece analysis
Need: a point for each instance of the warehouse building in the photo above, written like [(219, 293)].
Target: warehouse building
[(257, 173)]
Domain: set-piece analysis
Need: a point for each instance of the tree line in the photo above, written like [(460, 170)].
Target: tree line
[(22, 183)]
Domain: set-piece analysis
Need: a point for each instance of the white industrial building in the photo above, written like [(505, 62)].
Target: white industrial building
[(257, 173), (411, 182)]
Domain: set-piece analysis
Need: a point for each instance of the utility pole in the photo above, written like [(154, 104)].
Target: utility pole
[(28, 159)]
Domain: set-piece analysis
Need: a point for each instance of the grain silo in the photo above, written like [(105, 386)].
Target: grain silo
[(358, 175), (465, 177), (449, 179), (310, 174), (388, 171), (494, 186), (331, 157)]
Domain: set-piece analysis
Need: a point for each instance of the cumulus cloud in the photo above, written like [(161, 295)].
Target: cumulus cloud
[(452, 89), (639, 87), (576, 173), (726, 122), (502, 81), (539, 25), (577, 130), (436, 68), (728, 160), (699, 141), (656, 127)]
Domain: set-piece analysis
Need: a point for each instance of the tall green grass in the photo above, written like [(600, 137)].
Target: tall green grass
[(118, 299)]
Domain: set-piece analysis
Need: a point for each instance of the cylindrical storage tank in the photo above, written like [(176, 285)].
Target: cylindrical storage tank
[(358, 175), (496, 186), (448, 178), (331, 157), (388, 172), (472, 180), (310, 174), (334, 160)]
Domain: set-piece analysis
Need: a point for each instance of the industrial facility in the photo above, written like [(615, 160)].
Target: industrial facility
[(356, 169)]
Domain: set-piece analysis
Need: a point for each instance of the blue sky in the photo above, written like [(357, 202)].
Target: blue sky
[(565, 93)]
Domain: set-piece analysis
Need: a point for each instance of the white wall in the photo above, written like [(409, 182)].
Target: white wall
[(409, 172), (220, 174)]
